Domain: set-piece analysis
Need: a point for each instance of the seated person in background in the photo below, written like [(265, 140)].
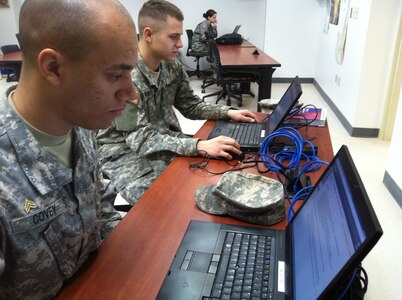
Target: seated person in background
[(145, 139), (205, 31), (54, 207)]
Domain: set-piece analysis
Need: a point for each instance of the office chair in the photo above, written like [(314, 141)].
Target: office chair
[(226, 79), (207, 81), (17, 35), (12, 74), (197, 55)]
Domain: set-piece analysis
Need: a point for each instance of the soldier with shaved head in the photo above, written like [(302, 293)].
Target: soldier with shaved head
[(55, 207)]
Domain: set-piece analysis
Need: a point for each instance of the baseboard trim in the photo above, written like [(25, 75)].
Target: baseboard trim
[(393, 188), (353, 131), (290, 79)]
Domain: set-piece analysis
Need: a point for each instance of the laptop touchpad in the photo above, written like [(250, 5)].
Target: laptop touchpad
[(200, 262)]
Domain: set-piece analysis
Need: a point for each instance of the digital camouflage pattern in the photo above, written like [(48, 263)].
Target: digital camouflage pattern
[(209, 202), (247, 197), (143, 141), (202, 33), (269, 217), (51, 217), (249, 192)]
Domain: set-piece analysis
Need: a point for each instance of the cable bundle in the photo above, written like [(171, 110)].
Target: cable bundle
[(284, 160), (300, 195), (277, 161)]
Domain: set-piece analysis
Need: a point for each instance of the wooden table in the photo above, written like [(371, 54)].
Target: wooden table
[(133, 261), (12, 61), (242, 59)]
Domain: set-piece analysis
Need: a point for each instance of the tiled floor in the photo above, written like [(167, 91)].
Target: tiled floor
[(370, 156)]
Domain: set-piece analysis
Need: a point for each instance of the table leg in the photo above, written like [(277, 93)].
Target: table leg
[(264, 84)]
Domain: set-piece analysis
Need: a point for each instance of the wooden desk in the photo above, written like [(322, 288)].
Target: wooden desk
[(242, 59), (247, 44), (244, 44), (12, 61), (133, 261)]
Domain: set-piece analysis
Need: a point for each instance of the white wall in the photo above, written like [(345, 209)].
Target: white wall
[(364, 73), (395, 150), (292, 32), (344, 96), (295, 37), (377, 61)]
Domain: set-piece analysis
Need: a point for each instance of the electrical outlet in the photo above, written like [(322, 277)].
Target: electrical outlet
[(354, 13), (337, 80)]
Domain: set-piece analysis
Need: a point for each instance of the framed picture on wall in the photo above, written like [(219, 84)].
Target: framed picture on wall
[(4, 4), (334, 14)]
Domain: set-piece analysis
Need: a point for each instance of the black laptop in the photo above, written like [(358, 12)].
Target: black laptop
[(250, 135), (236, 29), (335, 228)]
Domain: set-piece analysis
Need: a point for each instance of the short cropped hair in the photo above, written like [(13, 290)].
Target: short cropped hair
[(154, 14), (66, 26)]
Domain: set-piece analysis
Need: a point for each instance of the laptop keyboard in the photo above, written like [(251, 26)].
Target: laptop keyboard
[(246, 133), (246, 268)]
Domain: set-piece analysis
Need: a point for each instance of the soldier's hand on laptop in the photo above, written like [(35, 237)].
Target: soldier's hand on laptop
[(241, 115), (221, 146)]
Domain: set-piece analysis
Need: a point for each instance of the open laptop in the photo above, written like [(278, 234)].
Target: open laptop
[(236, 29), (250, 135), (335, 228)]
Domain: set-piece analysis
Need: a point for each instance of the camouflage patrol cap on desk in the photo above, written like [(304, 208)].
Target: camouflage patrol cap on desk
[(247, 197)]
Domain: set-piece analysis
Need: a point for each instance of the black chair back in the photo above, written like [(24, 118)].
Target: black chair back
[(9, 48), (190, 41), (17, 35), (228, 79), (197, 55)]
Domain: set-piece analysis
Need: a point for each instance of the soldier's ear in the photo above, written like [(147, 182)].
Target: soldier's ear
[(147, 34), (49, 64)]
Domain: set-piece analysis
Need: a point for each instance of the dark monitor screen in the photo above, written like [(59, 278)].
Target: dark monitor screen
[(284, 106)]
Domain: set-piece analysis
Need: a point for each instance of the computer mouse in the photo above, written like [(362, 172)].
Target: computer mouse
[(235, 156)]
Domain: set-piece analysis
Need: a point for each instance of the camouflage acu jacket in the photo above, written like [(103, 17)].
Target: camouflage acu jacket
[(141, 142), (51, 217), (202, 34)]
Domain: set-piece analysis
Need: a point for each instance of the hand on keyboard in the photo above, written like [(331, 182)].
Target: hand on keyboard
[(241, 115)]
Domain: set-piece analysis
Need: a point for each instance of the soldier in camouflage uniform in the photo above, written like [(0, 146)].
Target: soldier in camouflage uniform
[(55, 208), (204, 32), (143, 141)]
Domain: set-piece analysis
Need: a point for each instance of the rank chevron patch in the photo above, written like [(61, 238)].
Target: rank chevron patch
[(28, 204)]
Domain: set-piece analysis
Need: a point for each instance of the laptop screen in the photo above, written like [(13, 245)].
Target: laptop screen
[(236, 29), (284, 106), (326, 233)]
